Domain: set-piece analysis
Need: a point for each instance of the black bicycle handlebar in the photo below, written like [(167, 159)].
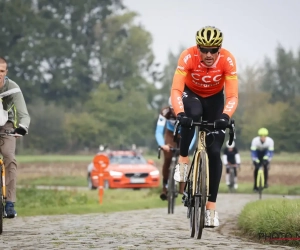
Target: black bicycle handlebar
[(204, 125), (10, 133), (171, 149)]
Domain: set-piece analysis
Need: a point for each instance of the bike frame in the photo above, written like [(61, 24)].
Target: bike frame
[(201, 147)]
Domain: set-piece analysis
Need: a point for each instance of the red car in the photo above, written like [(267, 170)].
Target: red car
[(126, 169)]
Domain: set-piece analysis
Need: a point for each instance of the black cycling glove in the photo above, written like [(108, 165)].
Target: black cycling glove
[(222, 123), (184, 121), (265, 162), (20, 131)]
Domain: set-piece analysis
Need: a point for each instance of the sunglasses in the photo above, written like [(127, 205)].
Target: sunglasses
[(206, 50)]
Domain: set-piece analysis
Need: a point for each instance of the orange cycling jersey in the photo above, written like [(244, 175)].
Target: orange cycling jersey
[(205, 81)]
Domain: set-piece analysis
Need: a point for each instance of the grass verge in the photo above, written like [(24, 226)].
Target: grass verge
[(245, 155), (32, 201), (272, 221), (79, 181), (71, 181), (247, 188)]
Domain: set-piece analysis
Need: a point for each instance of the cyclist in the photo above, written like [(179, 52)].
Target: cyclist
[(164, 137), (202, 73), (262, 150), (17, 122), (231, 157)]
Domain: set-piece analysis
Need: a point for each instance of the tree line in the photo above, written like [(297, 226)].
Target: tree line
[(89, 77)]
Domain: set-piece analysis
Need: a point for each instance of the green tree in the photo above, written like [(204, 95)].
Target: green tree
[(255, 109), (52, 45), (164, 90), (286, 132), (282, 77), (46, 133), (113, 120), (126, 59)]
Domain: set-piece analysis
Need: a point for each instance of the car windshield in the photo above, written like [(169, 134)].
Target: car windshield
[(127, 159)]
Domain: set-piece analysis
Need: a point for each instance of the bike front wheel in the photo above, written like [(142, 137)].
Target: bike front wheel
[(260, 182), (191, 207), (201, 195)]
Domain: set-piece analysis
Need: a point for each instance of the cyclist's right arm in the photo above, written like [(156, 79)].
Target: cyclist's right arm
[(224, 159), (270, 151), (159, 131), (193, 140), (183, 67)]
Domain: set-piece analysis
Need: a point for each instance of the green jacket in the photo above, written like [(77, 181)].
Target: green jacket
[(15, 105)]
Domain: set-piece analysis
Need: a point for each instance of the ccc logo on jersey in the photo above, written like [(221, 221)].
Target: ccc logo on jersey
[(206, 79)]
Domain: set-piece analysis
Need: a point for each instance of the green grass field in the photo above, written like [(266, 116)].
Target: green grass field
[(280, 157), (72, 181), (54, 158), (246, 188)]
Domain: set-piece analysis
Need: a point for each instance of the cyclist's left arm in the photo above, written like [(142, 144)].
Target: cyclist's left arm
[(21, 111), (193, 140), (231, 85), (270, 152), (237, 157), (224, 157), (183, 67)]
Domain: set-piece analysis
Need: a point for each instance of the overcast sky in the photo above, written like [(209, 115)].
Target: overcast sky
[(252, 28)]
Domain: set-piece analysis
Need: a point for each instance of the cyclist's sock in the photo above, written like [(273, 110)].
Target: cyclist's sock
[(183, 159), (210, 205)]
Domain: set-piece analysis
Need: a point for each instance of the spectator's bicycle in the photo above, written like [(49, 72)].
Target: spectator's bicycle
[(196, 190), (3, 195), (3, 185), (172, 184), (232, 174)]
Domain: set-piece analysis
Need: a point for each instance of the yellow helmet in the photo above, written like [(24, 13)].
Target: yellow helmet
[(209, 36), (263, 132)]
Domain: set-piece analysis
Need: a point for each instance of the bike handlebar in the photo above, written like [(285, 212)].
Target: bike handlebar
[(205, 124), (9, 133), (171, 149)]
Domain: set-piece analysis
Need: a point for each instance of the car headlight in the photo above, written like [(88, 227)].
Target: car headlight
[(115, 173), (154, 173)]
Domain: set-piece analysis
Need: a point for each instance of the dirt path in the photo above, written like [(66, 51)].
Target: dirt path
[(143, 229)]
